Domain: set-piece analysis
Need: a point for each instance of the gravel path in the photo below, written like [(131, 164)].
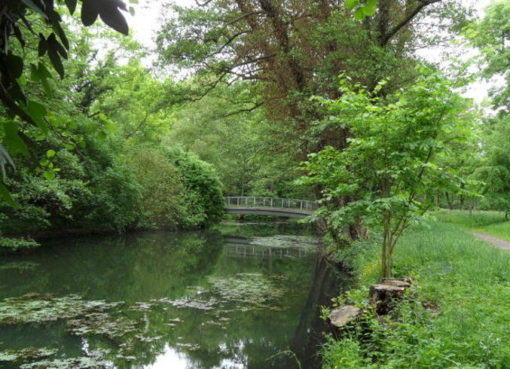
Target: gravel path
[(498, 242)]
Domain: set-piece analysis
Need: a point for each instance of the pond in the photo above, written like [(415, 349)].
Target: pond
[(240, 296)]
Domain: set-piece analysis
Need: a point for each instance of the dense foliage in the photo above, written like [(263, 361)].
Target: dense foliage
[(248, 96), (390, 180), (449, 321), (100, 164)]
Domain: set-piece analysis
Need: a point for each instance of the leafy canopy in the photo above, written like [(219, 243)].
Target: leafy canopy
[(390, 171)]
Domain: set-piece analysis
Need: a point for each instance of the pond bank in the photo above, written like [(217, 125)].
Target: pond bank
[(456, 318)]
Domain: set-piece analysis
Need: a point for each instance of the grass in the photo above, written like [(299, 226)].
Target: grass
[(459, 317), (490, 222)]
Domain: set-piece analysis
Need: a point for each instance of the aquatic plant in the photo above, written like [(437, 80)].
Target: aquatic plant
[(36, 308)]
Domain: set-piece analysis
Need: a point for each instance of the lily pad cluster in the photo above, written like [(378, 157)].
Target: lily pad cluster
[(44, 358), (250, 289), (26, 354), (247, 291), (71, 363), (286, 241), (36, 308), (102, 324)]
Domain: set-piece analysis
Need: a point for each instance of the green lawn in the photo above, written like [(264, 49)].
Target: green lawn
[(465, 284), (490, 222)]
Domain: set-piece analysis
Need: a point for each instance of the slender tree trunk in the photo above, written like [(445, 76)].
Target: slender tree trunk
[(386, 249), (448, 200)]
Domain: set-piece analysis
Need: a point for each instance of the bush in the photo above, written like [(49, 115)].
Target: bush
[(204, 194), (162, 191), (115, 204)]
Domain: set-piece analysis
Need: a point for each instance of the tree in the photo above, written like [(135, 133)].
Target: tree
[(17, 18), (295, 49), (492, 36), (390, 170), (292, 50), (38, 25)]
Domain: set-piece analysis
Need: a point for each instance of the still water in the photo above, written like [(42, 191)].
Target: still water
[(241, 296)]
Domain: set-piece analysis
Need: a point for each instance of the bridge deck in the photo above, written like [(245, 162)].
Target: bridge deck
[(255, 205), (265, 210)]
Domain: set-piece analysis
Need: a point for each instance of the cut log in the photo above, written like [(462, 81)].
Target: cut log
[(342, 315), (381, 291), (397, 282), (385, 294)]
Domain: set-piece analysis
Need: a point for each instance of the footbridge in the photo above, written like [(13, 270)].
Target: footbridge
[(253, 205)]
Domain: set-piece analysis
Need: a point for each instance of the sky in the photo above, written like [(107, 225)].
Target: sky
[(147, 20)]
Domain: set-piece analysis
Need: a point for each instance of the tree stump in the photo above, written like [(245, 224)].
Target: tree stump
[(342, 315), (385, 294)]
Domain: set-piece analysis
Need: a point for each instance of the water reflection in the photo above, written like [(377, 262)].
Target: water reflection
[(191, 300)]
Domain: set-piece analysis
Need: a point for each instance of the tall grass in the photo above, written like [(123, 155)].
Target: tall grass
[(490, 222), (459, 318)]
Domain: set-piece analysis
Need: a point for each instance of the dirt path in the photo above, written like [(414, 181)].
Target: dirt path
[(498, 242)]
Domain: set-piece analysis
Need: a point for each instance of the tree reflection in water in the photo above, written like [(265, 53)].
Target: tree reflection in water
[(194, 302)]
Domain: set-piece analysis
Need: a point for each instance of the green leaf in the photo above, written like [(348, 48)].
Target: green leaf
[(44, 72), (350, 4), (370, 8), (61, 34), (56, 62), (12, 139), (39, 73), (71, 5), (112, 16), (49, 175), (44, 162), (43, 45), (50, 153), (359, 14), (14, 65), (16, 92), (89, 12), (38, 112), (6, 196), (54, 45), (47, 87)]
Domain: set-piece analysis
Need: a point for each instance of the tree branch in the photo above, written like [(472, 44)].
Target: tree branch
[(244, 110), (392, 32)]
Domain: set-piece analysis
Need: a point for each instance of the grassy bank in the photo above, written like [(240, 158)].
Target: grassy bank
[(459, 317), (490, 222)]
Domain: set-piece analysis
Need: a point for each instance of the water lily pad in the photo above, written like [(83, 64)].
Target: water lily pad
[(251, 289), (247, 290), (101, 324), (72, 363), (28, 353), (35, 308), (284, 241)]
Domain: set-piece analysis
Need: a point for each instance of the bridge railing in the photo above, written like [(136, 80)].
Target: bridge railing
[(270, 202)]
